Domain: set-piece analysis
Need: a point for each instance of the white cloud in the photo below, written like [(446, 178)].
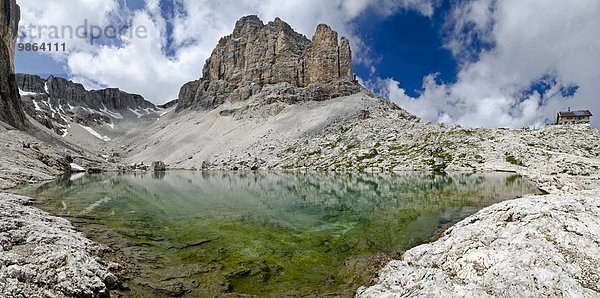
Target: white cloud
[(44, 15), (526, 41), (529, 40), (145, 66)]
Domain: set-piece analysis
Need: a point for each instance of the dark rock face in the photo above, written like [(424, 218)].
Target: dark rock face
[(169, 104), (187, 94), (9, 26), (30, 83), (256, 55), (76, 95), (11, 111)]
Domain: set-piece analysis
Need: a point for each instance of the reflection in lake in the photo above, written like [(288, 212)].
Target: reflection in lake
[(264, 233)]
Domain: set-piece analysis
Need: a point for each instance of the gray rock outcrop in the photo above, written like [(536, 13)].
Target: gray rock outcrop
[(11, 111), (325, 60), (30, 83), (540, 246), (256, 55), (43, 256)]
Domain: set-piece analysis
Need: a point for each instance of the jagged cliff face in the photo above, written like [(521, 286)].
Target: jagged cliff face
[(325, 60), (275, 53), (11, 111), (256, 55), (56, 102)]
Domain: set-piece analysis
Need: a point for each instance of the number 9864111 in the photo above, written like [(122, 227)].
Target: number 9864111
[(41, 47)]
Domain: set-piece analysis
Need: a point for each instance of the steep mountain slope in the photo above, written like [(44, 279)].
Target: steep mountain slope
[(251, 111), (258, 87)]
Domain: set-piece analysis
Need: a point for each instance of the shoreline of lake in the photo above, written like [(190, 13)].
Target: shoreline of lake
[(375, 269), (534, 246)]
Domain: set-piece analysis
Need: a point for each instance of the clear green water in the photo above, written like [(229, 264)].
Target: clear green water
[(205, 234)]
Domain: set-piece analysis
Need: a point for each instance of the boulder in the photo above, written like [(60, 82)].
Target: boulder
[(363, 115), (159, 166)]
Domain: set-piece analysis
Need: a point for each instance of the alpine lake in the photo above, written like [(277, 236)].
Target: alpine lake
[(273, 234)]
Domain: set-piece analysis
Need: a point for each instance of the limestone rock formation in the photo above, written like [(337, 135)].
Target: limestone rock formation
[(324, 59), (11, 110), (75, 94), (43, 255), (256, 55)]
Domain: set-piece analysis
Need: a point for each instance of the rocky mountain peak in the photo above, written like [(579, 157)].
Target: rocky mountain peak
[(325, 59), (256, 55), (325, 36), (246, 25)]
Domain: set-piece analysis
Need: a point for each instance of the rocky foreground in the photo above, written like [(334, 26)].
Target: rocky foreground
[(539, 246), (43, 256)]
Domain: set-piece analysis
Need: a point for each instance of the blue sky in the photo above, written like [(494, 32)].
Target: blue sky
[(474, 63), (406, 46)]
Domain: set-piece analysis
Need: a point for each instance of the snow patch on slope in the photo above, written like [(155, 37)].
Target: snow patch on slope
[(167, 111), (136, 112), (94, 133), (76, 168), (25, 93), (37, 106), (110, 113)]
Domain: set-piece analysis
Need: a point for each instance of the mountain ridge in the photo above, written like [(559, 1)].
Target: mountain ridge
[(55, 102)]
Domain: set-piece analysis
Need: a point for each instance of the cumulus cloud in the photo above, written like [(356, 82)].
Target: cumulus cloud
[(178, 43), (507, 48)]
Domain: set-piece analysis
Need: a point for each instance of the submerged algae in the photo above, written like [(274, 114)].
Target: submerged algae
[(266, 234)]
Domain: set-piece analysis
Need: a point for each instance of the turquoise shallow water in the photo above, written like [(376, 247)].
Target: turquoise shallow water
[(204, 234)]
